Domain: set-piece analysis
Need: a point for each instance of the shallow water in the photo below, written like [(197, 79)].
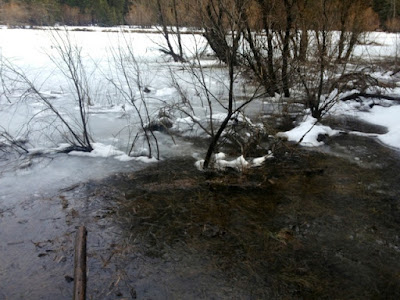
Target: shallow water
[(306, 225)]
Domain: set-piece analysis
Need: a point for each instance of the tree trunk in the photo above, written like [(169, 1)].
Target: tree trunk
[(285, 50), (214, 141), (303, 45)]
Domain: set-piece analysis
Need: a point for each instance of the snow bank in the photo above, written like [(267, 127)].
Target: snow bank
[(310, 130), (375, 111), (388, 117), (383, 112)]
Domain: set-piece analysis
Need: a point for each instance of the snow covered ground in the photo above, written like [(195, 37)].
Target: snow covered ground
[(113, 122)]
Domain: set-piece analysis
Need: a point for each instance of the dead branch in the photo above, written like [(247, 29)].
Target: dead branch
[(356, 96)]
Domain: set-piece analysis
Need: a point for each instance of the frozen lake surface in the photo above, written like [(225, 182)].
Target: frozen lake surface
[(113, 122)]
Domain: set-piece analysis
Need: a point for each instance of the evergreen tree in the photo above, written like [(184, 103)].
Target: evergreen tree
[(386, 9)]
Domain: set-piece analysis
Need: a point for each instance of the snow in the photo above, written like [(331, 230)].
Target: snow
[(105, 151), (378, 45), (240, 163), (375, 111), (388, 117), (113, 121), (199, 164), (384, 113), (220, 117), (99, 150), (259, 161), (146, 159), (308, 131), (165, 92), (219, 156)]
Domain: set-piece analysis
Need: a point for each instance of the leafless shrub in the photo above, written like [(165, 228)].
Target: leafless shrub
[(68, 60), (128, 81), (221, 130)]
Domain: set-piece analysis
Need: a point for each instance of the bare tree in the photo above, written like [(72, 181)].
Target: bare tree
[(260, 54), (214, 15), (323, 74), (166, 31)]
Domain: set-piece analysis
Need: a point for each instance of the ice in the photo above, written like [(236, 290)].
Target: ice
[(145, 159), (113, 120), (106, 151), (376, 111), (239, 163), (48, 174), (99, 150)]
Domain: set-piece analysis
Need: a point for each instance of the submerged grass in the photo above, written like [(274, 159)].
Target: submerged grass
[(306, 225)]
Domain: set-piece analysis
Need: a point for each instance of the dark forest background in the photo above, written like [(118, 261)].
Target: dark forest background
[(383, 13)]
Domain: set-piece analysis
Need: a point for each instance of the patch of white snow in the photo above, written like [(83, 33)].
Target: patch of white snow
[(310, 130)]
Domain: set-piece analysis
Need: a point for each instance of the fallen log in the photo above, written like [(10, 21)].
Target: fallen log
[(80, 264), (355, 96)]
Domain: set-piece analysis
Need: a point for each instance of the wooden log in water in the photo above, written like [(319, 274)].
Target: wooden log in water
[(80, 264)]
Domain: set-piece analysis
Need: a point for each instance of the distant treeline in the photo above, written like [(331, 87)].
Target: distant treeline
[(68, 12), (146, 12)]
